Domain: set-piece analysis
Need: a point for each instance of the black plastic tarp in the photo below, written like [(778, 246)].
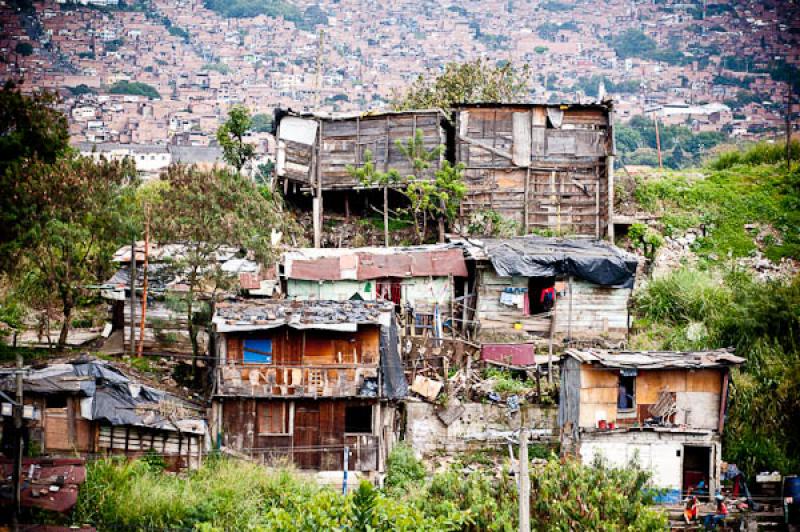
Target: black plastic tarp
[(394, 378), (592, 260)]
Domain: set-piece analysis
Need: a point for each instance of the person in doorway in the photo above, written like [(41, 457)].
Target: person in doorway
[(547, 299)]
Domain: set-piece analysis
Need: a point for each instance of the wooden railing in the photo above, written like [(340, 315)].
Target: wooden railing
[(335, 380)]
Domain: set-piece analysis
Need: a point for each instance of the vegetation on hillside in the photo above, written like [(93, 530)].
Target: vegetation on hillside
[(134, 88), (743, 200), (720, 304), (233, 495), (680, 146)]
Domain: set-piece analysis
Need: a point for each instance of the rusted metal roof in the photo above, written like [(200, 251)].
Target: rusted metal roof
[(260, 314), (656, 359), (48, 483), (374, 263)]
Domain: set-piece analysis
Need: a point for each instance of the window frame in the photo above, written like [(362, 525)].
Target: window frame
[(287, 417), (371, 420)]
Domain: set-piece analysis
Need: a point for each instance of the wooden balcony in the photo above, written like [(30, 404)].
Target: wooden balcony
[(291, 381)]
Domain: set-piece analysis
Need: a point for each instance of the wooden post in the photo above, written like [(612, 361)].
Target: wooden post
[(144, 280), (317, 200), (386, 188), (524, 484), (525, 206), (658, 143), (132, 302), (789, 125), (569, 319), (464, 308), (19, 443)]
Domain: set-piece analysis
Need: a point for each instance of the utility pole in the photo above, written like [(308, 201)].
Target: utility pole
[(524, 484), (318, 76), (132, 301), (658, 142), (144, 278), (19, 443)]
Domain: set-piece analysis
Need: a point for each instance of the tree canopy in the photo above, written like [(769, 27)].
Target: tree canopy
[(30, 129), (475, 81), (230, 136)]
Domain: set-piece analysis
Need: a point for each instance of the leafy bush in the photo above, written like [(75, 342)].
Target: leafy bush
[(757, 154), (134, 88), (403, 468)]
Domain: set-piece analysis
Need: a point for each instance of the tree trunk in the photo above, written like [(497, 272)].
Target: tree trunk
[(193, 336), (62, 338)]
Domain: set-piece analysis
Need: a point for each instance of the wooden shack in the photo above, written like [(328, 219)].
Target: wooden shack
[(304, 380), (315, 150), (664, 409), (548, 287), (546, 167), (88, 407)]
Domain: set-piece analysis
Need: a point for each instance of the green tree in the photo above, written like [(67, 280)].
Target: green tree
[(475, 81), (30, 129), (210, 212), (85, 211), (368, 175), (24, 48), (261, 123), (230, 136)]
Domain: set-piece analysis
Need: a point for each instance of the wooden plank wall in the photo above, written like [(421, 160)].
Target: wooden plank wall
[(596, 311), (317, 424), (345, 141), (179, 450), (319, 347), (562, 187), (164, 329), (697, 395)]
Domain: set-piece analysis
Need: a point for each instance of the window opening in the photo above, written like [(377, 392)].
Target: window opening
[(358, 419)]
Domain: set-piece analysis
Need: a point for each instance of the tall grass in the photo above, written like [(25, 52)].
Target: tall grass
[(757, 154), (231, 495)]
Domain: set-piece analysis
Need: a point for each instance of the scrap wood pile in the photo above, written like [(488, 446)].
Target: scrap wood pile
[(440, 370)]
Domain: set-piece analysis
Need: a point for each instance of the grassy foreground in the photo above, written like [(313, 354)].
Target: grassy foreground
[(233, 495)]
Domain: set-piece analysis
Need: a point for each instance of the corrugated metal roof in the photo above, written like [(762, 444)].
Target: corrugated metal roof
[(656, 359), (374, 263), (260, 314)]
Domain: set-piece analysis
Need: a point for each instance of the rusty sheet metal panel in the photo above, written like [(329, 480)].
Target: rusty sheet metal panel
[(515, 354), (72, 471), (367, 265)]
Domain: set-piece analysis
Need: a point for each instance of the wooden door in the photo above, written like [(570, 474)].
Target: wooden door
[(306, 435)]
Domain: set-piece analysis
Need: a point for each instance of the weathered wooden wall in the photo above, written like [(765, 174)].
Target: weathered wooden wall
[(697, 396), (543, 177), (340, 142), (309, 363), (595, 311), (179, 450), (315, 437)]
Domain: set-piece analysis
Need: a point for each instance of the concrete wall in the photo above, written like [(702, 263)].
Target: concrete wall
[(479, 424), (661, 453)]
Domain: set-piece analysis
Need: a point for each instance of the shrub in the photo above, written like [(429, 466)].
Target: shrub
[(403, 468)]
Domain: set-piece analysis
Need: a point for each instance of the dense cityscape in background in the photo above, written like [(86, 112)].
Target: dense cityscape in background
[(156, 78)]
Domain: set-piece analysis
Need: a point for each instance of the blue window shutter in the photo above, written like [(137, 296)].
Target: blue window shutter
[(257, 351)]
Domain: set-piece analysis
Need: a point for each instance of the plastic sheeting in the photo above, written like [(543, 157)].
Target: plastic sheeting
[(394, 378), (591, 260)]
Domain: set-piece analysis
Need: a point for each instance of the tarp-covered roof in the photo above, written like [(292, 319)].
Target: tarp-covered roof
[(656, 359), (261, 314), (534, 256), (110, 396), (374, 263)]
